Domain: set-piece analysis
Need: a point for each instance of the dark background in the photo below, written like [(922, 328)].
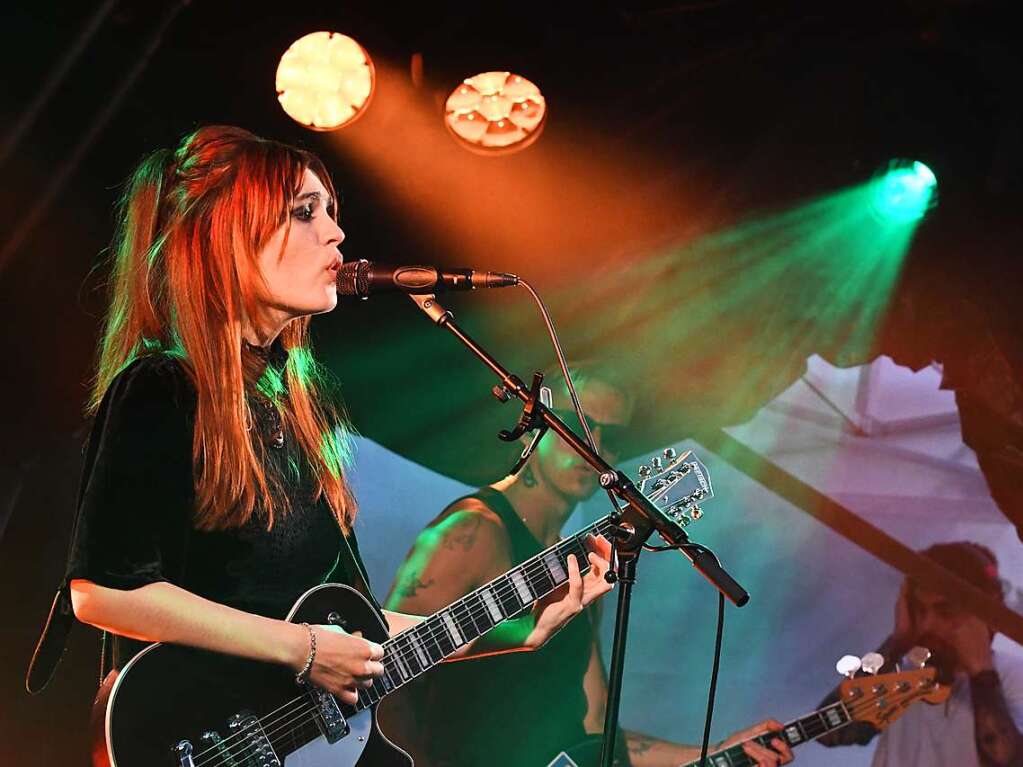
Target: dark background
[(745, 106)]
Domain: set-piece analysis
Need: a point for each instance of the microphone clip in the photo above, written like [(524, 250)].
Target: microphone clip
[(529, 420)]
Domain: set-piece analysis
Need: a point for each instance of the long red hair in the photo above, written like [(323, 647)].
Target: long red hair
[(190, 225)]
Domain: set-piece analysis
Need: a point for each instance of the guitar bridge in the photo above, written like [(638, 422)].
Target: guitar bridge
[(331, 721)]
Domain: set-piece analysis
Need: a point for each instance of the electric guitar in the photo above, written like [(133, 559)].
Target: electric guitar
[(879, 700), (176, 706)]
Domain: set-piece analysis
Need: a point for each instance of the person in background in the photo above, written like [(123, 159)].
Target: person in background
[(519, 710), (980, 725)]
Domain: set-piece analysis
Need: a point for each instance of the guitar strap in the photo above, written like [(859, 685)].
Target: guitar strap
[(52, 642)]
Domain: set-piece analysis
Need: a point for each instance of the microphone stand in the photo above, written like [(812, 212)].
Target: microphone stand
[(638, 520)]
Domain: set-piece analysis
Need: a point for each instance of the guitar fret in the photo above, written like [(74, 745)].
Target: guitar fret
[(794, 734), (404, 645), (478, 614), (554, 567), (417, 647), (540, 579), (521, 585), (814, 725), (491, 603), (837, 716), (506, 595), (452, 629), (465, 626)]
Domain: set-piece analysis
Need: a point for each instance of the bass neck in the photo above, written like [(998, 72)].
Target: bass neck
[(797, 732)]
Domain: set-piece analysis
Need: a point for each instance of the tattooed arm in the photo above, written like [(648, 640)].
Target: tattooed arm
[(465, 549), (999, 742)]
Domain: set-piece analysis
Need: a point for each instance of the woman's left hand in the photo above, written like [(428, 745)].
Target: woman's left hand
[(560, 606)]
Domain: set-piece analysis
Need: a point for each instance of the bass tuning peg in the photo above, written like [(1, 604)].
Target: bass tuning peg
[(847, 666), (872, 662), (918, 657)]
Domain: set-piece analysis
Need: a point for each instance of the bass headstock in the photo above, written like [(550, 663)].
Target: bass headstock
[(880, 699)]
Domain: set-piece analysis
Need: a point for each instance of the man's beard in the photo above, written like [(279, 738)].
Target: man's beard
[(944, 657)]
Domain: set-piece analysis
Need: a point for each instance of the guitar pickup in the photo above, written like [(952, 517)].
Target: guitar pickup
[(331, 721)]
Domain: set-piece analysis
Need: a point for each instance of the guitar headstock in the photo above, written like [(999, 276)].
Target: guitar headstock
[(676, 484), (883, 698)]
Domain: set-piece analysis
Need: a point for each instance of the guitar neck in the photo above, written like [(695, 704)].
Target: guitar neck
[(418, 649), (795, 733)]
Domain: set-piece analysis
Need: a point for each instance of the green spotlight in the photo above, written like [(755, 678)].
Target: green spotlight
[(905, 192)]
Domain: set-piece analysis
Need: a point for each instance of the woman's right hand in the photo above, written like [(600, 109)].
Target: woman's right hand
[(344, 662)]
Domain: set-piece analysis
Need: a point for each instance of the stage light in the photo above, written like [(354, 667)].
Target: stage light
[(495, 113), (325, 80), (904, 192)]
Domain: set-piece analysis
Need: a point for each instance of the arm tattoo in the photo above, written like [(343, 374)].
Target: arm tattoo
[(465, 537), (639, 744), (414, 585), (999, 742)]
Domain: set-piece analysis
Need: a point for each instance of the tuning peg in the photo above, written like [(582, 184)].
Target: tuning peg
[(656, 463), (872, 662), (669, 453), (848, 665), (918, 657)]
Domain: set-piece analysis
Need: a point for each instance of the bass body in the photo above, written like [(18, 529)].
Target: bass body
[(181, 707)]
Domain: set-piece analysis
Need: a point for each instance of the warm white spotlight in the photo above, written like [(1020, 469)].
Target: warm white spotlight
[(496, 113), (325, 80)]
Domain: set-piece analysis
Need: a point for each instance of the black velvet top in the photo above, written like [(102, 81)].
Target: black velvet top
[(137, 500)]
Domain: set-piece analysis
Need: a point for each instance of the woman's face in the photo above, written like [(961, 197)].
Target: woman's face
[(301, 276)]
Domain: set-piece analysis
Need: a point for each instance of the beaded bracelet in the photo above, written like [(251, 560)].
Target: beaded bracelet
[(303, 676)]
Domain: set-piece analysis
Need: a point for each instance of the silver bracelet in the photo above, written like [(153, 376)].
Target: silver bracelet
[(303, 676)]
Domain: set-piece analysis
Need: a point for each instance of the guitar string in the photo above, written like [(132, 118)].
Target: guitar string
[(460, 607), (299, 708), (239, 751)]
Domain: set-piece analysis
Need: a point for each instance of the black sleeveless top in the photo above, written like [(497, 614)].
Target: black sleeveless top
[(137, 498), (512, 710)]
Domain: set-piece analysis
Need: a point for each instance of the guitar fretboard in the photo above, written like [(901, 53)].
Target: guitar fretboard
[(795, 733), (414, 651)]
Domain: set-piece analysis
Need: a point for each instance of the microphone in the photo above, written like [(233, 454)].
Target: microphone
[(361, 278)]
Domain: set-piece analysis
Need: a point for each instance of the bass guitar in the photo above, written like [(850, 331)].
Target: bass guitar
[(879, 700)]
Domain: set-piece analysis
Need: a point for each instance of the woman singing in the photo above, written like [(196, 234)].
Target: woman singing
[(214, 492)]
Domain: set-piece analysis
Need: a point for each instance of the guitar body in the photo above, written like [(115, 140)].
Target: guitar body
[(169, 694)]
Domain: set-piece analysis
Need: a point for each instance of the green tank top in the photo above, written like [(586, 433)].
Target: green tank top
[(513, 710)]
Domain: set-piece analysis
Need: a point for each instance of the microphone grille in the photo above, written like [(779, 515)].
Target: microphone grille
[(353, 278)]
